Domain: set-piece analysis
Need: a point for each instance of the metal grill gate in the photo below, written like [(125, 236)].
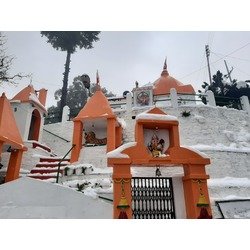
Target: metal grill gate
[(152, 198)]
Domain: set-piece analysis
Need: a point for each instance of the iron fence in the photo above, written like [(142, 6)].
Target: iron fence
[(152, 198)]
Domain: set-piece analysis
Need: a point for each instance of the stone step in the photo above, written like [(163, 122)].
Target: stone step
[(50, 165), (45, 171), (53, 159), (42, 177)]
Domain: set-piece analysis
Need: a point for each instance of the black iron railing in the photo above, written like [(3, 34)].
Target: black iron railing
[(59, 164), (56, 135)]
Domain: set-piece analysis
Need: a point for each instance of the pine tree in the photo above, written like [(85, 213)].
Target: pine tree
[(69, 41), (77, 96), (226, 94)]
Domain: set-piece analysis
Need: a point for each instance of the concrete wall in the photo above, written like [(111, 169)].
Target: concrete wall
[(58, 145)]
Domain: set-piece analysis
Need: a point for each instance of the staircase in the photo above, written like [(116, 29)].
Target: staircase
[(47, 168)]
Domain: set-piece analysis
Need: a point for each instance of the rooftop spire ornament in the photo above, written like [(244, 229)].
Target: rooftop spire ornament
[(165, 64), (98, 87), (165, 68)]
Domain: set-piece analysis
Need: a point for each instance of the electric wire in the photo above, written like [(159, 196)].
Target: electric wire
[(221, 58), (219, 54), (235, 67)]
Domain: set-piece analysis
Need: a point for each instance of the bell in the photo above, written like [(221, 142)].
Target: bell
[(202, 202), (158, 172), (123, 203)]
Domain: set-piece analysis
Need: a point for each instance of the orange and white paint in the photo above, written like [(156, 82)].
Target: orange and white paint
[(29, 109), (96, 115), (10, 137), (137, 154)]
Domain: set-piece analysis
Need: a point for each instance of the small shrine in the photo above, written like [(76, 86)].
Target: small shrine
[(29, 110), (160, 90), (96, 125), (157, 145), (10, 139)]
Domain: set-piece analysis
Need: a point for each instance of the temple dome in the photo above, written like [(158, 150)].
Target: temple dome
[(163, 84)]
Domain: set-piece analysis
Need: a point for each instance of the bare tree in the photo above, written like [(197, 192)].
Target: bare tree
[(5, 65)]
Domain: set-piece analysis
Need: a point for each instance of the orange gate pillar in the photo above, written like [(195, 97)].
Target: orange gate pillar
[(1, 147), (122, 204), (111, 134), (195, 190), (14, 165), (77, 140), (118, 136)]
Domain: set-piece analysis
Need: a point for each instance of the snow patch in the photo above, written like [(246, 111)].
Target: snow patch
[(147, 116), (122, 122), (221, 147), (200, 119), (117, 152), (196, 151), (229, 182), (34, 98)]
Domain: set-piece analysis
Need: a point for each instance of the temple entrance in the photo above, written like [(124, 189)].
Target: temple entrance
[(157, 144), (152, 198), (34, 126)]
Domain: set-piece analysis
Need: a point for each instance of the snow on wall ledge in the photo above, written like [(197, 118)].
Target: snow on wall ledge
[(222, 133), (205, 125)]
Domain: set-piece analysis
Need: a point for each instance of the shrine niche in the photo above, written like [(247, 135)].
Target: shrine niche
[(157, 144), (90, 139), (96, 125), (95, 132), (143, 96), (157, 141)]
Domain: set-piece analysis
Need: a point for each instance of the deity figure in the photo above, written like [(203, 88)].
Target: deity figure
[(156, 146)]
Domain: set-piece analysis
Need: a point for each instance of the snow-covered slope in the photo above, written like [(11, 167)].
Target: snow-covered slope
[(223, 134), (27, 198)]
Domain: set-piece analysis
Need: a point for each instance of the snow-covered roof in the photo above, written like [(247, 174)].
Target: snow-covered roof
[(28, 94), (33, 97), (117, 153), (161, 117)]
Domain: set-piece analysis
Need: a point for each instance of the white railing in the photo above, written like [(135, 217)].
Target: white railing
[(174, 100)]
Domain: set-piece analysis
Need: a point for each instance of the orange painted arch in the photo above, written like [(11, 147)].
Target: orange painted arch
[(136, 153)]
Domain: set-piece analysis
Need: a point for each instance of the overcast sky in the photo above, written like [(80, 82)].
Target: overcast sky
[(125, 57), (127, 50)]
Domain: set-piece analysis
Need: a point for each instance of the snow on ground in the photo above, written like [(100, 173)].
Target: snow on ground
[(220, 147), (223, 134), (28, 198), (229, 182)]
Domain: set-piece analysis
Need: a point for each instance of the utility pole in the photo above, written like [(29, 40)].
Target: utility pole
[(208, 65), (228, 72)]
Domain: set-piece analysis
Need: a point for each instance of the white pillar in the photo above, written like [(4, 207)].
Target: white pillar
[(179, 200), (210, 98), (128, 102), (245, 104), (65, 115), (174, 97)]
